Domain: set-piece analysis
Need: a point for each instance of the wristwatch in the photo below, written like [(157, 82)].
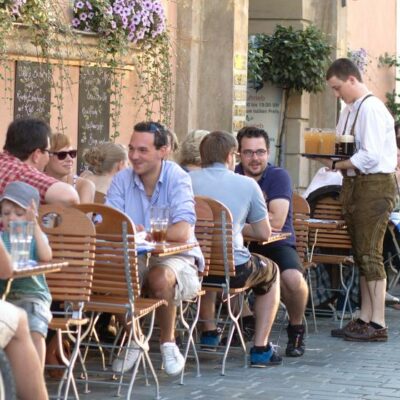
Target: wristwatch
[(334, 165)]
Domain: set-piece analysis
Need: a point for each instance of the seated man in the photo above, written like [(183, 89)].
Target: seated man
[(16, 341), (154, 181), (276, 186), (244, 199)]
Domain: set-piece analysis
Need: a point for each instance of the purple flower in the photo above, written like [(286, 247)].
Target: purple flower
[(91, 15), (79, 4), (113, 25), (76, 22), (83, 16), (89, 6), (136, 19), (147, 4)]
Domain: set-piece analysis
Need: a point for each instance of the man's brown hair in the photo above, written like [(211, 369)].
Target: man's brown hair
[(216, 146), (343, 68)]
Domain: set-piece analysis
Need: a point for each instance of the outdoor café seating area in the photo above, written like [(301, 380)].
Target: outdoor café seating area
[(95, 272)]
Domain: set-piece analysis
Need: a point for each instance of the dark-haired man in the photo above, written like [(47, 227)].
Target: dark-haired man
[(368, 193), (276, 186), (26, 153), (244, 199), (154, 181)]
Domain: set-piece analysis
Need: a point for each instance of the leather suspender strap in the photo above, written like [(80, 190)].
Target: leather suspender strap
[(358, 110)]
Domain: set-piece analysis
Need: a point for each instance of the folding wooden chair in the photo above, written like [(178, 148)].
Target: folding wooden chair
[(116, 287), (301, 215), (333, 244), (214, 220), (72, 239)]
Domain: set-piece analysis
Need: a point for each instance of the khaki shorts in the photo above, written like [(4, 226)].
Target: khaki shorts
[(185, 271), (9, 319)]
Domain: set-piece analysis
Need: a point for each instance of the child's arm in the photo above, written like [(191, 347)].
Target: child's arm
[(43, 248), (5, 262)]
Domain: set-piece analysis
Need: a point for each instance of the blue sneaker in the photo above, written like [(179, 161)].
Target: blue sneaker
[(209, 340), (265, 358)]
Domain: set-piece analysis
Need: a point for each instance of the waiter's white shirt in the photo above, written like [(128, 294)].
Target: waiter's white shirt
[(375, 139)]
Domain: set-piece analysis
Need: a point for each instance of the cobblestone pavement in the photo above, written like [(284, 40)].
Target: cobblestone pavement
[(330, 369)]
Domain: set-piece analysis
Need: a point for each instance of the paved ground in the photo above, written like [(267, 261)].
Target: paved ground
[(331, 369)]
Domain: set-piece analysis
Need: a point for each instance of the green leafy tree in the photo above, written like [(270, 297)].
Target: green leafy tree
[(295, 60)]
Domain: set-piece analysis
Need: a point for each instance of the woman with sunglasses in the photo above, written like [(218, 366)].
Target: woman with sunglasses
[(61, 164)]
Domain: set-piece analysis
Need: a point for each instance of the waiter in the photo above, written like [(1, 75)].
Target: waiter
[(368, 194)]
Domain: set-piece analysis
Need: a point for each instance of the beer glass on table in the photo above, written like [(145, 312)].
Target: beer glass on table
[(159, 216)]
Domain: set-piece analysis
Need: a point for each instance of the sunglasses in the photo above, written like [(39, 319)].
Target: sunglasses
[(62, 155)]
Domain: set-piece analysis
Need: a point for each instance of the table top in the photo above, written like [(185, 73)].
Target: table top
[(275, 237), (40, 268), (316, 223), (171, 248)]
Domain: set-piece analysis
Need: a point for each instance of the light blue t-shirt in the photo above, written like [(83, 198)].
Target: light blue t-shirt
[(240, 194), (31, 287), (173, 189)]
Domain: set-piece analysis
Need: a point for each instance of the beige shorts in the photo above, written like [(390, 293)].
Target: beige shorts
[(185, 270), (9, 319)]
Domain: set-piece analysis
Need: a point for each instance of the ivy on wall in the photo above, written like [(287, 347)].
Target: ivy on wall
[(129, 32)]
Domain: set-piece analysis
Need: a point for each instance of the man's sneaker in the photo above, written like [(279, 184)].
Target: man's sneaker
[(173, 360), (295, 346), (266, 358), (353, 326), (209, 340), (132, 355)]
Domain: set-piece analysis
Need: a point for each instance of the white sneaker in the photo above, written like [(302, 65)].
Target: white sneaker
[(131, 358), (172, 358)]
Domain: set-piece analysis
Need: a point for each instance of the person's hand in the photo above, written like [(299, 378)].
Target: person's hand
[(31, 212)]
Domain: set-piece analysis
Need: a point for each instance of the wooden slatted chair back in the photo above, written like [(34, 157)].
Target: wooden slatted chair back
[(204, 229), (109, 283), (330, 208), (72, 239), (221, 247), (301, 214)]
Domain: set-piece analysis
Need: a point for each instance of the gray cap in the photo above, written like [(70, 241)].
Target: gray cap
[(21, 194)]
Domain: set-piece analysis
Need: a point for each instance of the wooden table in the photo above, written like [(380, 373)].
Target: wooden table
[(275, 237), (40, 268), (171, 248)]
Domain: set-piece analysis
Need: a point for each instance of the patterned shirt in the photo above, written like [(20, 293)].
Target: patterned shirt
[(13, 169)]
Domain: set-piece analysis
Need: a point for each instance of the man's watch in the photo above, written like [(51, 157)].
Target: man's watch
[(334, 165)]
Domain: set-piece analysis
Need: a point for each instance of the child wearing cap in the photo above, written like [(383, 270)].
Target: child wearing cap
[(19, 202)]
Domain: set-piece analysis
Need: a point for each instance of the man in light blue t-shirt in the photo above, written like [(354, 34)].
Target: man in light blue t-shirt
[(244, 199)]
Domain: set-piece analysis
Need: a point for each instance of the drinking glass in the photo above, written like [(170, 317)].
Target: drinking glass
[(328, 139), (159, 216), (21, 233), (312, 141)]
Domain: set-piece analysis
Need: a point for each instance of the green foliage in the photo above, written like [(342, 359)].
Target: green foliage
[(290, 59), (392, 98)]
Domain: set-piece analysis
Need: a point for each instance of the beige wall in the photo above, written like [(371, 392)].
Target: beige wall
[(211, 35), (371, 24)]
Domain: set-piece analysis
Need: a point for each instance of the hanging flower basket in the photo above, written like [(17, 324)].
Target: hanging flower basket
[(130, 20)]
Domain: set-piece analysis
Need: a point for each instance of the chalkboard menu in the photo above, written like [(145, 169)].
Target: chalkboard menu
[(94, 109), (32, 90)]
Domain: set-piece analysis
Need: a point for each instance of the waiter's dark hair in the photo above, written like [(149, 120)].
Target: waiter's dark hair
[(343, 68)]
